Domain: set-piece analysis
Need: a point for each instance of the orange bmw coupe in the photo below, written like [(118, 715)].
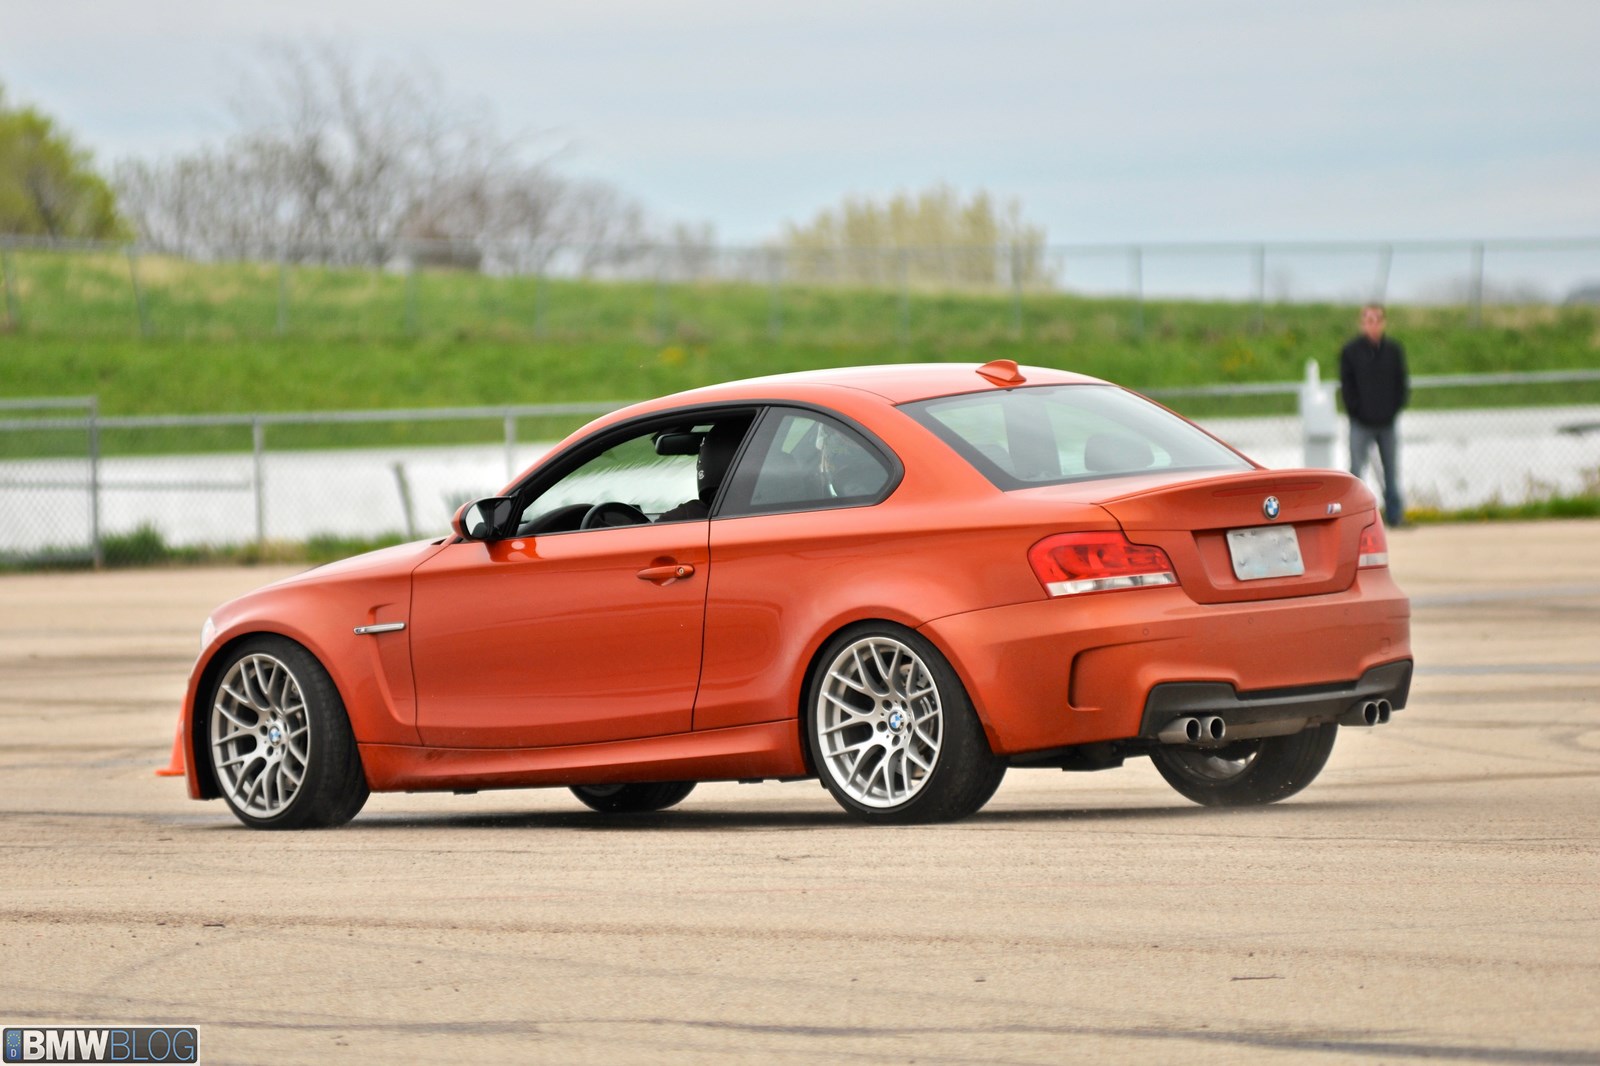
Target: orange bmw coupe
[(902, 580)]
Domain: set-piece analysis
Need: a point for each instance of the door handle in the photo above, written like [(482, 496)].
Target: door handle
[(663, 575)]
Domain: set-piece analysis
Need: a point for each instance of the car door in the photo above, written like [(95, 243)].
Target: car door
[(565, 638), (564, 635)]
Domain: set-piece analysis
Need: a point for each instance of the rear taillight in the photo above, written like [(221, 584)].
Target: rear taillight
[(1069, 564), (1374, 547)]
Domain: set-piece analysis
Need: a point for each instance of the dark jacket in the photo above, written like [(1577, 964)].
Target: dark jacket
[(1374, 380)]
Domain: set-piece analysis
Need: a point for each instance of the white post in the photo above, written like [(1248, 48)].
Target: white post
[(511, 445), (1319, 421), (96, 545), (258, 456)]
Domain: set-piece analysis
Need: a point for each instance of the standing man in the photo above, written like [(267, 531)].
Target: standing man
[(1372, 373)]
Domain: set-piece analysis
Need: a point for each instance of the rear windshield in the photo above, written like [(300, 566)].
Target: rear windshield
[(1051, 434)]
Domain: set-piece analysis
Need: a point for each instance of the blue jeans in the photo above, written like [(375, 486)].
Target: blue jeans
[(1362, 438)]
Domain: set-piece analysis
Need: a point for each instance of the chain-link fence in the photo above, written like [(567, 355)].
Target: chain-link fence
[(76, 488), (662, 292), (1456, 454)]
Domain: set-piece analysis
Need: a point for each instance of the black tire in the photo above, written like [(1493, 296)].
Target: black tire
[(1247, 772), (274, 714), (633, 799), (883, 705)]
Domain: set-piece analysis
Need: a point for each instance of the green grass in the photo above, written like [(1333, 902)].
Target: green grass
[(1554, 507), (1583, 504), (244, 337), (146, 546)]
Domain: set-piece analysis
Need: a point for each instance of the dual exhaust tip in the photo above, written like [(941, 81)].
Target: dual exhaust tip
[(1211, 729), (1372, 712), (1192, 729)]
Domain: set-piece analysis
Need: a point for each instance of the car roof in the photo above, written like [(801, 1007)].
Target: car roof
[(895, 383)]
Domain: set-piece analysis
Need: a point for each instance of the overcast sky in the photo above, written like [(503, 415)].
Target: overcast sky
[(1155, 120)]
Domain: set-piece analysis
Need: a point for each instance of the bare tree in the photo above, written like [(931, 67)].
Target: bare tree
[(603, 229), (692, 251), (334, 162)]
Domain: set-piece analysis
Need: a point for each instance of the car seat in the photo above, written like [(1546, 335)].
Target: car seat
[(1106, 453), (717, 449)]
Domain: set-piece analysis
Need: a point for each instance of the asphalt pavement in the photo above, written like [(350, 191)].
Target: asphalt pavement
[(1434, 896)]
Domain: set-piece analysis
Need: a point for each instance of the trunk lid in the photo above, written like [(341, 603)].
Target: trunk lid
[(1191, 521)]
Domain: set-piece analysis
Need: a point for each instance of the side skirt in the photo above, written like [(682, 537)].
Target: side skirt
[(768, 749)]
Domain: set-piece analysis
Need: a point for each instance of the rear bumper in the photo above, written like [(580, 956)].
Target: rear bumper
[(1078, 670), (1247, 715)]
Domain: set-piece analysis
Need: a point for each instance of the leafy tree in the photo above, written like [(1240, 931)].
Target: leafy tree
[(929, 238), (48, 187)]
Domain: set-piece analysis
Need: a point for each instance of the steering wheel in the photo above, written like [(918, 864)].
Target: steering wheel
[(613, 513)]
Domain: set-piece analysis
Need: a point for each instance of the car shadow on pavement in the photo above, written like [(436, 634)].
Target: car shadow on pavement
[(690, 820)]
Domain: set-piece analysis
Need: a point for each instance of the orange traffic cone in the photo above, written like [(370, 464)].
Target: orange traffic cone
[(174, 768)]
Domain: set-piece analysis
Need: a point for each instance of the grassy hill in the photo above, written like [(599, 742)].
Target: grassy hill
[(165, 336)]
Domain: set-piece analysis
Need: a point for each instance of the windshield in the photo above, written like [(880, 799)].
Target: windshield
[(1051, 434)]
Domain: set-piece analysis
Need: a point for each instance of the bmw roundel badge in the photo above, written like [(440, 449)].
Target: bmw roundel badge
[(1270, 507)]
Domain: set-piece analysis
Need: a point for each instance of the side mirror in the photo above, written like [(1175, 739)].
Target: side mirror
[(485, 519)]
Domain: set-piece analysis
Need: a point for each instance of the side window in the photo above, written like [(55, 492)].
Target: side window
[(664, 474), (801, 460)]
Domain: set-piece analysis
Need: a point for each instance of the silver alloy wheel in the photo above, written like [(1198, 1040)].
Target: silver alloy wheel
[(260, 735), (879, 722)]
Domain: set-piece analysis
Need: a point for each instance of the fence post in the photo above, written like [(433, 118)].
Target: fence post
[(1476, 282), (258, 449), (1261, 287), (662, 308), (13, 319), (511, 445), (96, 547), (283, 294), (775, 294), (138, 292), (403, 483), (1385, 261), (1136, 283), (1016, 291), (540, 285), (411, 294), (904, 324)]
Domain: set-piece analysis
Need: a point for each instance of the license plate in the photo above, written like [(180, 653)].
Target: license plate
[(1265, 551)]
